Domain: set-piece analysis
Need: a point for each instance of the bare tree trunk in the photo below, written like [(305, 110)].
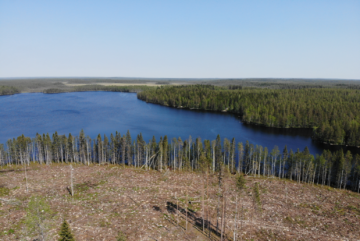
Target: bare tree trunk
[(189, 152), (25, 171), (236, 213), (223, 218), (177, 210), (218, 210), (161, 161), (61, 152), (87, 152), (213, 149), (242, 213), (174, 156), (146, 158), (203, 196), (27, 189), (280, 169), (71, 180), (186, 207), (207, 193)]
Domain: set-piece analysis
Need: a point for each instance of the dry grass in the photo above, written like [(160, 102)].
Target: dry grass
[(141, 204)]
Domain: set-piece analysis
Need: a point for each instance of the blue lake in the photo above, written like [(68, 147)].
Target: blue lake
[(107, 112)]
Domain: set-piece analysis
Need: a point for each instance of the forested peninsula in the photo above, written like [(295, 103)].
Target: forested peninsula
[(333, 113), (338, 169), (8, 90)]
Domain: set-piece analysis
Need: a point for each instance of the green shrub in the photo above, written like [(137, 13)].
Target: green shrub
[(240, 182), (4, 191)]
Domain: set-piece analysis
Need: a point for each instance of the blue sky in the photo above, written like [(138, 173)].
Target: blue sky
[(180, 39)]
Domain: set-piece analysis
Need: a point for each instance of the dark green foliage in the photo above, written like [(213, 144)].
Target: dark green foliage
[(121, 237), (4, 191), (54, 91), (8, 90), (65, 232), (235, 87), (218, 150), (240, 182), (334, 114), (256, 196), (113, 88)]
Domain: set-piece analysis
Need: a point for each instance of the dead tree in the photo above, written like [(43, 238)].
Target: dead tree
[(219, 195), (223, 218), (177, 210), (186, 208), (71, 180), (203, 196)]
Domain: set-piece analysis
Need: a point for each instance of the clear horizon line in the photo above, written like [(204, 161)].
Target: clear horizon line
[(175, 78)]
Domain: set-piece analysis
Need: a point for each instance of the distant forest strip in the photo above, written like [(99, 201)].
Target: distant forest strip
[(334, 169), (333, 113), (8, 90), (128, 88), (286, 83)]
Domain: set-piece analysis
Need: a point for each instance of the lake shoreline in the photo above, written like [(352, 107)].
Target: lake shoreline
[(106, 112), (303, 132)]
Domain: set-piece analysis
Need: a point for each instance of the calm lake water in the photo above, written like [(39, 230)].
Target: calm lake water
[(107, 112)]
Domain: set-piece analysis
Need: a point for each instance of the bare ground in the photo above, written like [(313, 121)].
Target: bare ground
[(141, 205)]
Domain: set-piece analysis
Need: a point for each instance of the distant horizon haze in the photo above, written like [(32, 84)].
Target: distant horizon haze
[(164, 78)]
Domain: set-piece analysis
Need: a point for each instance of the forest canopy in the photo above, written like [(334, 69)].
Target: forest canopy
[(8, 90), (333, 113)]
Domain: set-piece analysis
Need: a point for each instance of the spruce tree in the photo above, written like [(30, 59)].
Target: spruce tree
[(240, 182), (256, 197), (65, 232)]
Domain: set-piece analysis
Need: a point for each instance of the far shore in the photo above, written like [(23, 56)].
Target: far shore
[(121, 84)]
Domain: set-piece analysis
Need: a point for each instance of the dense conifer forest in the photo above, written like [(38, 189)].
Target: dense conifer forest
[(338, 169), (8, 90), (333, 113)]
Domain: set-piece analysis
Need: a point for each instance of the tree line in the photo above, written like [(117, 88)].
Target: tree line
[(8, 90), (111, 88), (338, 169), (333, 113)]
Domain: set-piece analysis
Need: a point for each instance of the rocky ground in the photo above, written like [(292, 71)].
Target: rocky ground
[(122, 203)]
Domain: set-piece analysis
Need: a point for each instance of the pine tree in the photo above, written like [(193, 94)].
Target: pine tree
[(65, 232)]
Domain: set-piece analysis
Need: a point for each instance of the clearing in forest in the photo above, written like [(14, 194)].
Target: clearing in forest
[(112, 202)]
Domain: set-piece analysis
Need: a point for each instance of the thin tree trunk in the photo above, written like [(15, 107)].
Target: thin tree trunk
[(203, 196), (223, 218), (207, 193), (177, 210), (71, 180), (236, 213), (186, 207)]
